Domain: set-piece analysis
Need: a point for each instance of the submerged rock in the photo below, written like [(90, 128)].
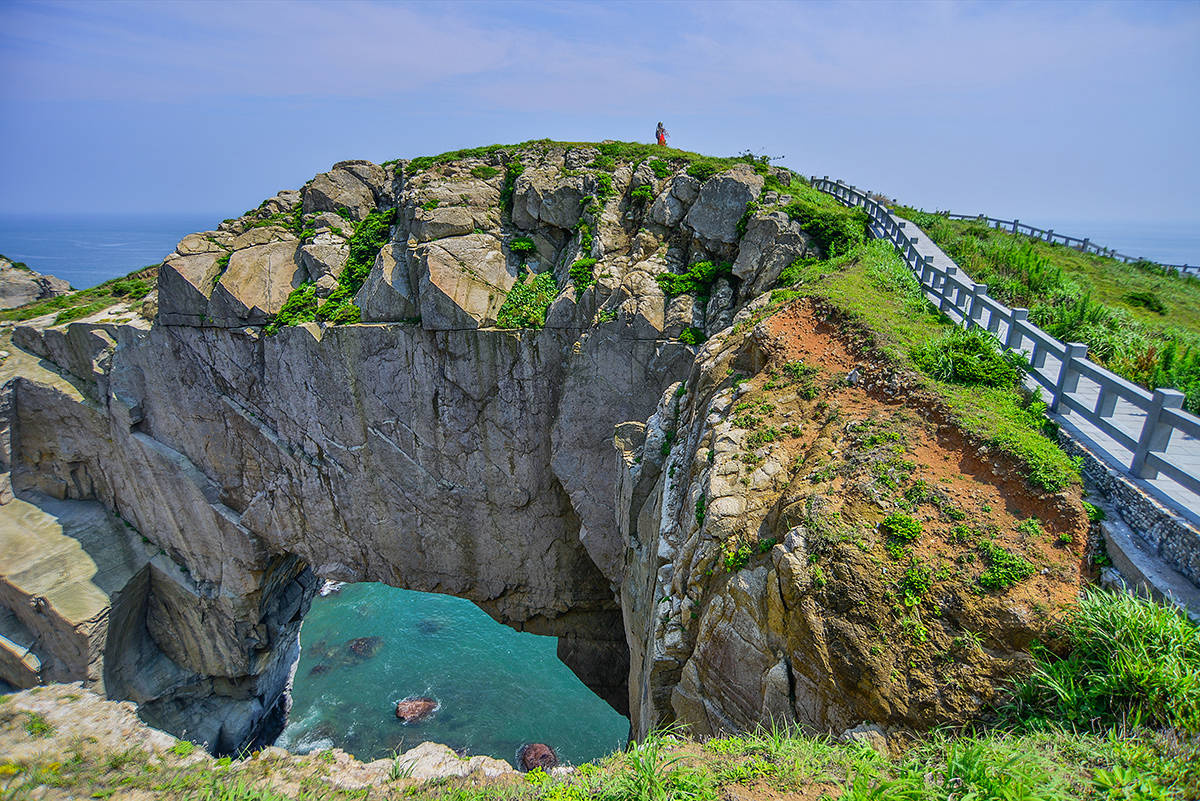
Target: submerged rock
[(364, 647), (415, 709), (317, 670), (429, 626), (536, 755)]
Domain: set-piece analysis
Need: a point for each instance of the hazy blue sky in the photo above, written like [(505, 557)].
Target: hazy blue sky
[(1051, 110)]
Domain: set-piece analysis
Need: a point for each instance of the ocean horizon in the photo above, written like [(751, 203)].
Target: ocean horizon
[(86, 250)]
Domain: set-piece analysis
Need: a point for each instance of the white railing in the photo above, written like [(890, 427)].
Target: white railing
[(1140, 423), (1084, 245)]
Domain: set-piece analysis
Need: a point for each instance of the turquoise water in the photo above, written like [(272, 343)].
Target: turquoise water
[(497, 688)]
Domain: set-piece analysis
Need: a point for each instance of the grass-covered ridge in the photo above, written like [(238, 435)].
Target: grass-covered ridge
[(872, 285), (611, 154), (76, 305), (1139, 320), (1127, 751)]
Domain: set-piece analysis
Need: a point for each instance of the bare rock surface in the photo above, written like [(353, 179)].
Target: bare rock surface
[(20, 285)]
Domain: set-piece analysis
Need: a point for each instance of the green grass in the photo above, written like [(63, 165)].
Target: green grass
[(134, 286), (583, 275), (1139, 320), (1131, 663), (36, 726), (874, 287)]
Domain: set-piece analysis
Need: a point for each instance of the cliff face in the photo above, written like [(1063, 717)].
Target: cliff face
[(427, 449)]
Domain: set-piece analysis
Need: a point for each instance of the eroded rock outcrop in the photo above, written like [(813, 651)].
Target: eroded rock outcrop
[(20, 285), (428, 449)]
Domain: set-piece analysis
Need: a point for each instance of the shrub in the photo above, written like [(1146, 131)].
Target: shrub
[(583, 275), (300, 307), (661, 168), (133, 289), (485, 171), (511, 173), (968, 357), (915, 583), (522, 246), (430, 205), (604, 186), (901, 527), (1132, 662), (641, 194), (1147, 300), (836, 228), (1005, 569), (526, 303), (692, 336), (698, 279)]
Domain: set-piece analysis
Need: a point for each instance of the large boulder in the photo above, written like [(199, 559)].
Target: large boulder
[(355, 186), (722, 202), (549, 198), (772, 242), (185, 283), (21, 285), (255, 285), (462, 283), (389, 292)]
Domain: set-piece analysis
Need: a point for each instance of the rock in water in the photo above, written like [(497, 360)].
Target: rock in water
[(429, 626), (415, 709), (317, 670), (364, 647), (536, 755)]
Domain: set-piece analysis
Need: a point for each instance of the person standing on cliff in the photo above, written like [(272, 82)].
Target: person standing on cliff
[(661, 135)]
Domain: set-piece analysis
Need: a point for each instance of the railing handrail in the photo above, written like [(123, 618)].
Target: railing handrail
[(1084, 245), (956, 294)]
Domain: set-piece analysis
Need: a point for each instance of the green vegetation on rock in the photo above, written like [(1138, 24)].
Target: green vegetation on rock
[(134, 286), (303, 306), (526, 303), (873, 286), (583, 275), (698, 279), (1139, 320)]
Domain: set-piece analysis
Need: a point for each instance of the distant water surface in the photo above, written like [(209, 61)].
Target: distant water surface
[(86, 250), (497, 688), (1163, 242)]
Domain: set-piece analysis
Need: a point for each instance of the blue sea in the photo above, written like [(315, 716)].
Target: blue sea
[(86, 250)]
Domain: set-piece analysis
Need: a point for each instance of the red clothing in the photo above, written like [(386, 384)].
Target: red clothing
[(662, 138)]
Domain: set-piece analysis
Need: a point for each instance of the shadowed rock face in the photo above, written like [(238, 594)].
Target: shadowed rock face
[(439, 456), (20, 285)]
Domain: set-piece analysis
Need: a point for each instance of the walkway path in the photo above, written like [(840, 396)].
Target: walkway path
[(1101, 410)]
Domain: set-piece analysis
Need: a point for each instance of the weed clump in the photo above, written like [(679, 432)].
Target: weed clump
[(899, 526), (527, 302), (969, 357), (1005, 569), (692, 336), (583, 275), (1132, 662), (698, 279)]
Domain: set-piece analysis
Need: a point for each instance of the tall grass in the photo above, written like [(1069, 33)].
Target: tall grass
[(1132, 662), (1022, 272)]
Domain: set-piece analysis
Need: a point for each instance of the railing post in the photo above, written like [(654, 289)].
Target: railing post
[(926, 269), (1156, 435), (1087, 242), (975, 309), (1014, 336), (1068, 378), (1016, 222), (945, 302), (1050, 235)]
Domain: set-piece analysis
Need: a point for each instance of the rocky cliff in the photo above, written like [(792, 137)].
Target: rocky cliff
[(332, 389), (20, 285)]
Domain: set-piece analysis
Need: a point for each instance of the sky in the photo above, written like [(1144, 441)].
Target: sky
[(1065, 111)]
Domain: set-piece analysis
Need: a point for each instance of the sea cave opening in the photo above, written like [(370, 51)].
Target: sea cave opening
[(490, 689)]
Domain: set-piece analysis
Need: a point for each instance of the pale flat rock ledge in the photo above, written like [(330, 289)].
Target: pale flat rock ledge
[(80, 718)]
